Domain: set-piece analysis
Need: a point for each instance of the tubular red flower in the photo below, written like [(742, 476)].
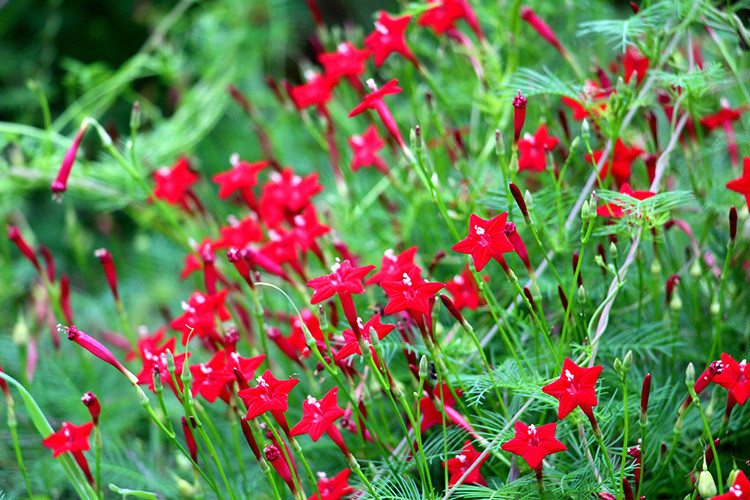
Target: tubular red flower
[(574, 388), (96, 348), (190, 440), (60, 184), (65, 302)]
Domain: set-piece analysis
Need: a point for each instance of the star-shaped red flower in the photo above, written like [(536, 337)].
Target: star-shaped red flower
[(241, 175), (459, 464), (735, 377), (70, 438), (344, 278), (533, 148), (210, 378), (316, 92), (742, 184), (351, 344), (740, 490), (201, 312), (592, 96), (533, 444), (411, 292), (173, 183), (286, 195), (154, 357), (621, 159), (486, 240), (574, 388), (271, 394), (616, 209), (239, 233), (393, 267), (317, 416), (442, 17), (334, 488), (365, 148), (346, 61), (389, 37)]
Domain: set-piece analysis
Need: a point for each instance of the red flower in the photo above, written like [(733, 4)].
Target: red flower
[(241, 175), (270, 395), (286, 195), (735, 377), (392, 266), (334, 488), (345, 278), (486, 240), (210, 378), (634, 62), (533, 150), (374, 100), (365, 148), (574, 388), (318, 416), (316, 92), (71, 438), (534, 443), (201, 312), (412, 292), (172, 184), (742, 184), (154, 357), (346, 61), (238, 234), (442, 17), (351, 344), (430, 415), (591, 95), (464, 290), (307, 229), (616, 209), (458, 465), (622, 157), (389, 37), (724, 118), (740, 490)]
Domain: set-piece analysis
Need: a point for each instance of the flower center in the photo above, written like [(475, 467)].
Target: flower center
[(406, 279)]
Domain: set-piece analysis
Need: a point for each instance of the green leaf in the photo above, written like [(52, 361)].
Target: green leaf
[(133, 493)]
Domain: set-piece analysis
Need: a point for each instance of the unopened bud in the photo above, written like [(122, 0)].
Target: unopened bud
[(135, 116), (613, 249), (20, 331), (732, 477), (690, 375), (581, 295), (499, 143), (424, 367), (170, 360), (627, 361), (585, 130), (655, 267), (706, 484), (617, 365), (585, 211), (529, 200), (732, 223), (714, 308), (676, 303), (695, 269)]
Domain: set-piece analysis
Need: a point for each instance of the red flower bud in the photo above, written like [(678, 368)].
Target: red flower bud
[(249, 437), (732, 223), (519, 200), (14, 235), (448, 303), (109, 270), (65, 302), (519, 116), (60, 184), (528, 15), (190, 440), (90, 401), (645, 391), (45, 251)]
